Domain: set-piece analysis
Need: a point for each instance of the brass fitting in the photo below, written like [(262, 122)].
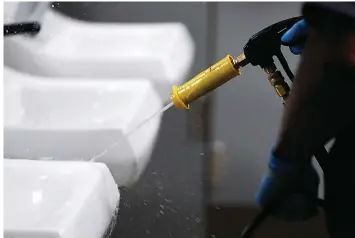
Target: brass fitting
[(278, 82), (240, 57)]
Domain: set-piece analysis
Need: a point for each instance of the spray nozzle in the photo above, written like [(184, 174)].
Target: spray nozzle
[(259, 50), (205, 82)]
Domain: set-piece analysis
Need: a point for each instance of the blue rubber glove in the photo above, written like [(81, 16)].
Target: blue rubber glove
[(297, 31), (295, 186)]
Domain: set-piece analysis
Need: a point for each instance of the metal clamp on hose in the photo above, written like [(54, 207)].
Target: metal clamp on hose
[(277, 80)]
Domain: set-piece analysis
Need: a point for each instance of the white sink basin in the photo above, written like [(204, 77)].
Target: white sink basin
[(23, 11), (162, 52), (78, 119), (58, 199)]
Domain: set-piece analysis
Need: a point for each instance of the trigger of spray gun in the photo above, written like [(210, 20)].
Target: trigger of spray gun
[(205, 82)]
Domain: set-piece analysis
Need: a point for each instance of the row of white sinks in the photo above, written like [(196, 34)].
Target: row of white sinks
[(71, 93), (160, 52), (78, 119)]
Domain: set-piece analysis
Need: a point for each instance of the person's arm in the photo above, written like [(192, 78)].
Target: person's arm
[(310, 118)]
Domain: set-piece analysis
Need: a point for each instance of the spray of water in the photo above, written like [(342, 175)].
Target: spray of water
[(150, 118), (134, 129)]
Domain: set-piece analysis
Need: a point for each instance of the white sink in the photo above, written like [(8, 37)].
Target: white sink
[(23, 11), (161, 52), (58, 199), (78, 119)]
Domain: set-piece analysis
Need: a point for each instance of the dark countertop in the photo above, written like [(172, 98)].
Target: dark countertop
[(167, 200)]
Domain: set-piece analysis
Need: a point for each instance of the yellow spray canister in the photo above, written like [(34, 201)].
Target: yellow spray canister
[(205, 82)]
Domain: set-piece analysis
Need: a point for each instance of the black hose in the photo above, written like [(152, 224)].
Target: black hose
[(285, 66), (263, 214), (257, 221), (321, 153)]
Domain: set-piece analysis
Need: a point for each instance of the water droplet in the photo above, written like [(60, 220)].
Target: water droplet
[(168, 200), (172, 210)]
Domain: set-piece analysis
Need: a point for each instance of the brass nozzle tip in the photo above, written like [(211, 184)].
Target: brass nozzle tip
[(241, 57)]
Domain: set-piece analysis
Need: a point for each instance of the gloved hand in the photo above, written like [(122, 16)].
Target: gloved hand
[(297, 32), (296, 187)]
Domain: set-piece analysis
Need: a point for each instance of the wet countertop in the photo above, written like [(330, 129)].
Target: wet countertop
[(167, 200)]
